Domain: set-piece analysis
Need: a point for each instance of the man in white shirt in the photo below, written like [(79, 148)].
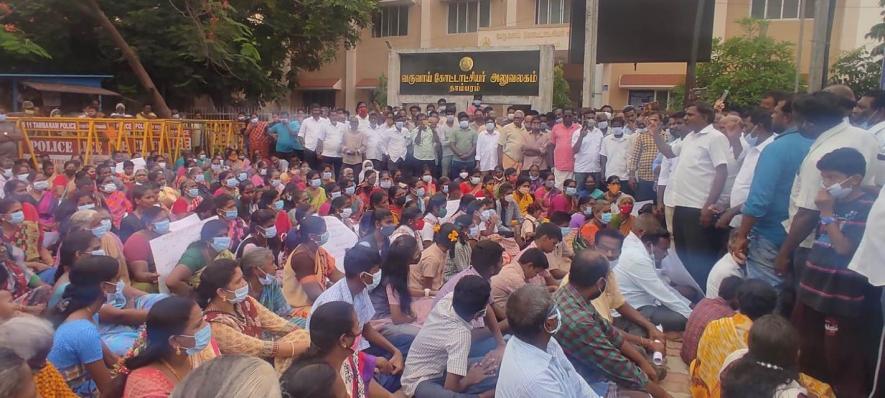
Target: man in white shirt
[(676, 130), (819, 115), (309, 133), (877, 129), (362, 114), (534, 364), (613, 154), (586, 145), (637, 276), (330, 139), (487, 147), (396, 142), (757, 139), (697, 183), (374, 133)]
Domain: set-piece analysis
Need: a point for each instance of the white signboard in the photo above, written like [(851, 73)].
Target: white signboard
[(341, 238), (168, 248)]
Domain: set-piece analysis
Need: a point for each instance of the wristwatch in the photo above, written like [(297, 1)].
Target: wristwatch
[(827, 220)]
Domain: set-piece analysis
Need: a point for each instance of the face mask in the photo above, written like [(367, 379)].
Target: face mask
[(231, 214), (17, 217), (837, 191), (463, 124), (386, 184), (558, 316), (335, 194), (399, 125), (602, 125), (215, 167), (490, 127), (161, 164), (327, 175), (161, 227), (220, 243), (618, 131), (201, 340), (346, 212), (376, 280), (99, 252), (445, 189), (626, 209), (231, 182), (419, 192), (193, 192), (266, 279), (606, 218), (614, 189), (115, 299), (88, 206), (41, 185), (570, 191), (278, 205), (239, 295), (565, 230), (23, 177), (262, 172), (533, 178), (486, 214), (588, 211), (387, 230), (270, 232), (323, 239), (549, 184), (109, 188), (102, 229), (349, 191), (315, 183), (8, 173), (242, 176), (474, 231), (752, 139), (200, 178), (474, 180), (427, 178)]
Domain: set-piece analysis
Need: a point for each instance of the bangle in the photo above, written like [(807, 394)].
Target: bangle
[(274, 349)]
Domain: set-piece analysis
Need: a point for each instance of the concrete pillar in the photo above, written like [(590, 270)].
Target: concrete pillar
[(350, 79), (588, 88), (511, 13), (425, 8)]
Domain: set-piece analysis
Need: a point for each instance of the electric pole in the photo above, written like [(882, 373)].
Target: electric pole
[(588, 87)]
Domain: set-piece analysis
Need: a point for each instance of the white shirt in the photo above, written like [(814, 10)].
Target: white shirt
[(615, 151), (362, 304), (587, 157), (667, 166), (725, 267), (396, 142), (332, 136), (867, 260), (744, 178), (529, 372), (374, 139), (310, 131), (487, 149), (878, 131), (732, 169), (639, 282), (808, 183), (701, 152)]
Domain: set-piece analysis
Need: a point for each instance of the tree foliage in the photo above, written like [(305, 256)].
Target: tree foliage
[(560, 88), (227, 49), (858, 69), (747, 66), (877, 32), (14, 42)]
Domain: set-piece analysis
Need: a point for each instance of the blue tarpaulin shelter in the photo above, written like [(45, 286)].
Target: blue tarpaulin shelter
[(74, 84)]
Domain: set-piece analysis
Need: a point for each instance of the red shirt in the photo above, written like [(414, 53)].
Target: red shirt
[(561, 138)]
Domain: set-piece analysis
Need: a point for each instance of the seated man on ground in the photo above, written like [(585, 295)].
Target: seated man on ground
[(727, 266), (524, 271), (706, 311)]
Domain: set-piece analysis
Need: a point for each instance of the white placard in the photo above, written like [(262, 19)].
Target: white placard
[(341, 238), (451, 209), (139, 164), (168, 248), (184, 222)]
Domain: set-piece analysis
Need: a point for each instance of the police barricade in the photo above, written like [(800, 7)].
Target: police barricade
[(64, 138)]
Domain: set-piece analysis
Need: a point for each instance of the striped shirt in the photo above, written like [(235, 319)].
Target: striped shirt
[(441, 346), (642, 154)]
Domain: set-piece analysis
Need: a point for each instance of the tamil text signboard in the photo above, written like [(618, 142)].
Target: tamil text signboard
[(512, 73)]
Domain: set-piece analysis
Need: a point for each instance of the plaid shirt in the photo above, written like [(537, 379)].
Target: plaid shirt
[(593, 344), (707, 310), (642, 154)]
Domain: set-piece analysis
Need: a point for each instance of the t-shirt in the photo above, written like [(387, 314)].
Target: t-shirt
[(76, 344), (193, 259), (285, 140), (430, 266), (561, 137), (137, 248), (725, 267)]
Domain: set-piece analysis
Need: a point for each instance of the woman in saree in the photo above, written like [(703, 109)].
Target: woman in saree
[(310, 269), (214, 245)]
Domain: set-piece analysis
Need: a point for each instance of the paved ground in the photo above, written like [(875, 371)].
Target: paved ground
[(677, 380)]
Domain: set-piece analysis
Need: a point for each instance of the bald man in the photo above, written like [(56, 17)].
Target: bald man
[(511, 141), (847, 99)]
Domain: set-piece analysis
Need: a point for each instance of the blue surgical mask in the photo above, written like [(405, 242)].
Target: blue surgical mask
[(376, 280), (17, 217), (102, 229), (88, 206), (588, 211), (349, 191), (266, 279), (399, 125), (751, 139), (837, 191), (463, 124), (193, 192), (270, 231), (242, 176), (316, 182), (327, 175), (98, 252), (200, 178), (387, 230), (606, 218), (336, 194), (41, 185), (323, 238), (278, 205), (231, 182), (571, 191), (565, 230), (602, 125), (161, 227), (240, 294), (220, 243), (419, 192), (231, 214), (201, 340), (618, 131)]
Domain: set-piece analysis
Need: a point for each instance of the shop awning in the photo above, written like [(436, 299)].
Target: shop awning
[(367, 84), (656, 80), (69, 88), (318, 84), (383, 3)]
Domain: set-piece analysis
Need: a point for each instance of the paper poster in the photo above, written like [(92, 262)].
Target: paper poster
[(341, 238), (451, 209), (168, 248), (139, 164), (185, 222)]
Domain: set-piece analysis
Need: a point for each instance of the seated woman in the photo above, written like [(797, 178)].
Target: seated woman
[(262, 234), (23, 234), (31, 339), (342, 209), (468, 233), (143, 197), (99, 223), (265, 285), (397, 313), (137, 249), (614, 194), (75, 246), (313, 379), (410, 224), (27, 292), (310, 269), (190, 198), (230, 376), (523, 195), (175, 334), (769, 368), (381, 228), (427, 276), (623, 219), (226, 209), (434, 216), (238, 320), (214, 245), (114, 200), (336, 331)]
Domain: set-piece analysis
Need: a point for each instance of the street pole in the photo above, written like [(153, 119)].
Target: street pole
[(819, 45), (799, 45), (588, 87), (691, 66)]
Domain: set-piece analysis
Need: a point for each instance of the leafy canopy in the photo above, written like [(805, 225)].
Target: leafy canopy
[(858, 69)]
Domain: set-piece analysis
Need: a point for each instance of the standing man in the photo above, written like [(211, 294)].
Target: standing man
[(362, 114), (285, 133), (463, 144), (396, 142), (424, 142), (487, 147), (535, 144), (561, 140), (374, 137), (697, 184), (639, 166), (586, 145), (444, 132), (309, 133), (613, 155), (676, 129), (877, 128), (330, 139), (511, 142), (757, 139)]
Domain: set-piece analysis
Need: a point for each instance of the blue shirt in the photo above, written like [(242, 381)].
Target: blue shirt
[(769, 197), (286, 142), (76, 344)]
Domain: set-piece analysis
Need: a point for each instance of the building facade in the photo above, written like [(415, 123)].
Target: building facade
[(426, 24)]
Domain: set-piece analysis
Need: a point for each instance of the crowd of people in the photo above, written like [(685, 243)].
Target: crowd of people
[(527, 254)]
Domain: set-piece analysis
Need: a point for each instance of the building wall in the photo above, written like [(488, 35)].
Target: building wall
[(512, 23)]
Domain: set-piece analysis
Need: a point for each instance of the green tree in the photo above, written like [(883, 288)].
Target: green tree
[(560, 88), (13, 42), (747, 66), (858, 69), (379, 93), (877, 32)]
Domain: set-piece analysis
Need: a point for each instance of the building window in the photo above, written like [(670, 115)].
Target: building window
[(552, 11), (780, 9), (391, 21), (638, 98), (466, 16)]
